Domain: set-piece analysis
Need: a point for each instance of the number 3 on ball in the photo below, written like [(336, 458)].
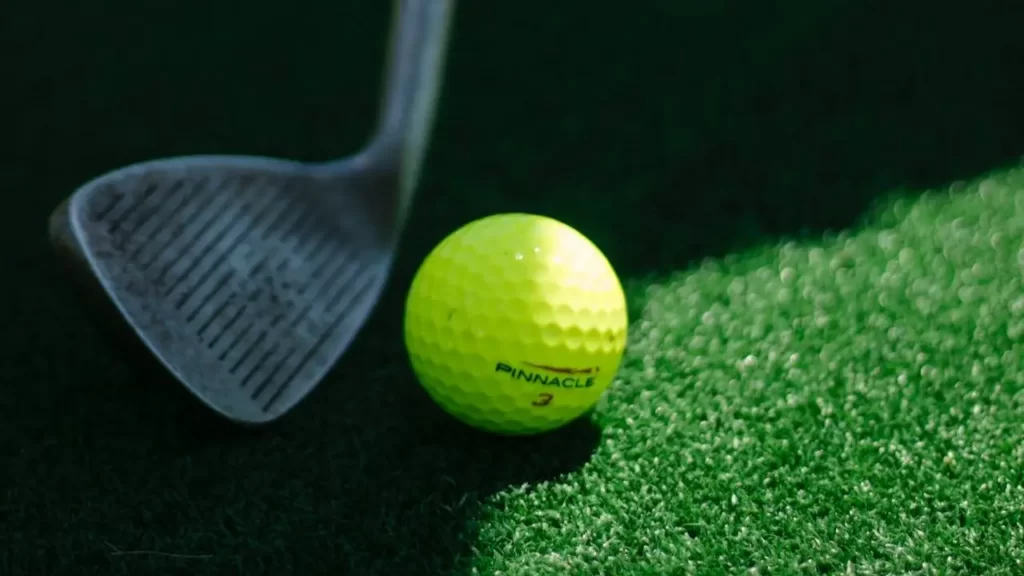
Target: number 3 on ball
[(543, 399)]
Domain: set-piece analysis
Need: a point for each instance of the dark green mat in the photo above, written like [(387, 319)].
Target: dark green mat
[(846, 405)]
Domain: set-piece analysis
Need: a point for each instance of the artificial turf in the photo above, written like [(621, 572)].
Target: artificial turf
[(851, 406), (794, 400)]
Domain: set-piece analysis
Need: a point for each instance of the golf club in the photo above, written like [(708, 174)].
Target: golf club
[(248, 277)]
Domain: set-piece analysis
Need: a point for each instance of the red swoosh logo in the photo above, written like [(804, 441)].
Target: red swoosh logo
[(564, 370)]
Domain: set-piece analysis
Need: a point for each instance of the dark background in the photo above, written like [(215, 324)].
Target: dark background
[(667, 132)]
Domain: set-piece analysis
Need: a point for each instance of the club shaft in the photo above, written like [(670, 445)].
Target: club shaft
[(413, 79)]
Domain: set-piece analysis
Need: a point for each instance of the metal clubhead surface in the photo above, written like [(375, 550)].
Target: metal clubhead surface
[(231, 273), (248, 277)]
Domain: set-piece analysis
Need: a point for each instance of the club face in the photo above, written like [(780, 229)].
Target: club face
[(231, 272)]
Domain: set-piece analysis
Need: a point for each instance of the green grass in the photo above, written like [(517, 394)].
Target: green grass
[(852, 406)]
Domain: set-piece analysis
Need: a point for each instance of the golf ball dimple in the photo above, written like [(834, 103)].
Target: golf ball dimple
[(515, 324)]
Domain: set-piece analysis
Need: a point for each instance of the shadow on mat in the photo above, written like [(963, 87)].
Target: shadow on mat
[(366, 477)]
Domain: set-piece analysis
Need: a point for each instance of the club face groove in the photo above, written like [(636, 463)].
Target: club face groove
[(232, 273)]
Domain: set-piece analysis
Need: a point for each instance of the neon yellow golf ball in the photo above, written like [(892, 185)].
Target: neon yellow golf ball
[(516, 324)]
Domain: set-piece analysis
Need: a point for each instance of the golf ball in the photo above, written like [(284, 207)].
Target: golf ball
[(515, 324)]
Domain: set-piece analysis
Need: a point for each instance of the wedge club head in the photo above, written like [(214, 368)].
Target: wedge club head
[(248, 277)]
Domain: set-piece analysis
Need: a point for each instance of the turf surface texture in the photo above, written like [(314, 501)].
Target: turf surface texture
[(815, 209)]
